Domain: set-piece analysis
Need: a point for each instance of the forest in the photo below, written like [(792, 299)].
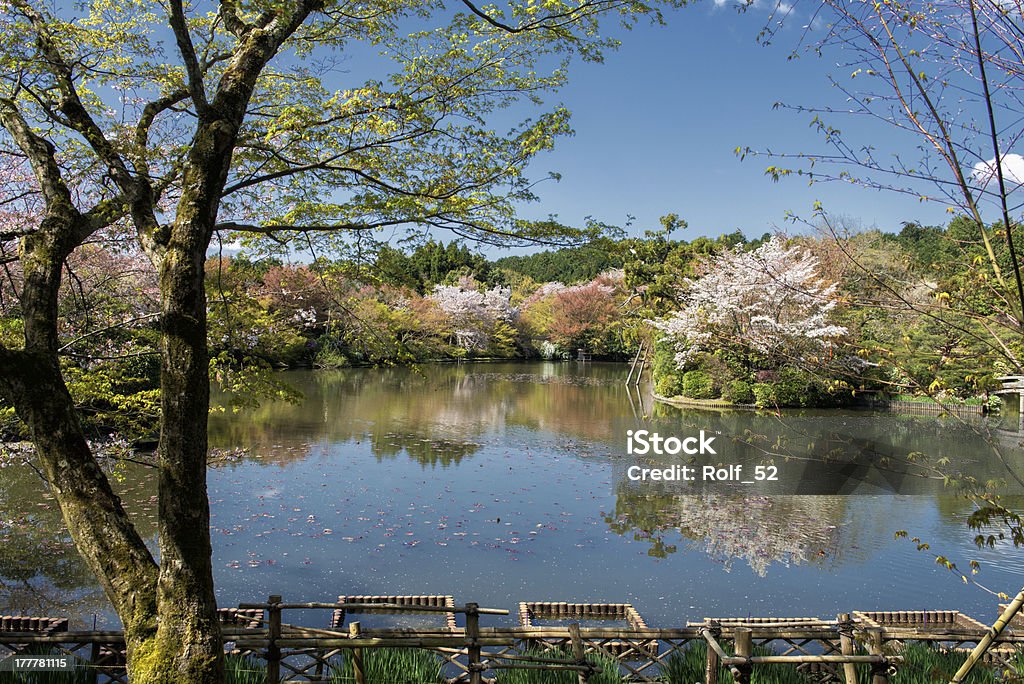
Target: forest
[(772, 322)]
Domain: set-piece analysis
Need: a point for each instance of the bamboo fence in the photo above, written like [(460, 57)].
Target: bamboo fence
[(831, 651)]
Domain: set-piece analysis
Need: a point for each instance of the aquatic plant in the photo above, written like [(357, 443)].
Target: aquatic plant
[(239, 669), (922, 664), (609, 670), (687, 667), (391, 666), (925, 664), (79, 675)]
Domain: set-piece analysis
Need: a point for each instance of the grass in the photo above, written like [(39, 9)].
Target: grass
[(922, 664), (240, 669), (609, 670), (391, 666), (79, 675), (687, 667)]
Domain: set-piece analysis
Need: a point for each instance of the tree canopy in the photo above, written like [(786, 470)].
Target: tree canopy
[(148, 128)]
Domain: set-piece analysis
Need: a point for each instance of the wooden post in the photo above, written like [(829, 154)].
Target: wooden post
[(879, 671), (94, 656), (846, 645), (273, 634), (473, 643), (577, 651), (358, 667), (711, 668), (744, 649), (993, 633)]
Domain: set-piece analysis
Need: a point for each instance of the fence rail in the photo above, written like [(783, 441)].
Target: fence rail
[(830, 651)]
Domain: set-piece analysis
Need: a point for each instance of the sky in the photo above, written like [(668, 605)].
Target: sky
[(657, 125)]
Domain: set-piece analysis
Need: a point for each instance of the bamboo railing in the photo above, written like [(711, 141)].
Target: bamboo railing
[(475, 654)]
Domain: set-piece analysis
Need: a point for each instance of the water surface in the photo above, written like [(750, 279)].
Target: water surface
[(500, 483)]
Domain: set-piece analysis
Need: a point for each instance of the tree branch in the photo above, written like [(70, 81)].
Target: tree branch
[(196, 87)]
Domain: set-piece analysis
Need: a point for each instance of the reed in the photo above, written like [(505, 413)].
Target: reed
[(925, 664), (391, 666), (239, 669), (609, 670), (687, 667)]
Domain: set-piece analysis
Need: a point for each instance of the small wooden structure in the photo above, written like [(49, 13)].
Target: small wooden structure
[(395, 605), (530, 612), (240, 617), (924, 620), (582, 355), (28, 623)]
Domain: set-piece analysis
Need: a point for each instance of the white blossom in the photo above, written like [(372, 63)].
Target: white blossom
[(473, 312), (770, 300)]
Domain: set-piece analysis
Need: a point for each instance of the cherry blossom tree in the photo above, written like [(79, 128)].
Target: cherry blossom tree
[(770, 303), (474, 312)]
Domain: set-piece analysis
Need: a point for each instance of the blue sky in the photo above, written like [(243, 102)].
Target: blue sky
[(657, 125)]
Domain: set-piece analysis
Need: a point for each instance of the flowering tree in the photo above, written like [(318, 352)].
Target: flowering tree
[(474, 312), (769, 303)]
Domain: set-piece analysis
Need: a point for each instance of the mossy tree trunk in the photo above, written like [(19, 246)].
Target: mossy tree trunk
[(169, 610)]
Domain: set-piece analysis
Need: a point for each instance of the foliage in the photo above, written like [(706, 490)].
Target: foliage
[(698, 384), (391, 666), (668, 378), (738, 392), (770, 303), (239, 669), (609, 670), (567, 265), (754, 311)]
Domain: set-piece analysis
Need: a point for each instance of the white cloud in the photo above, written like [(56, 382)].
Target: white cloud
[(1013, 171)]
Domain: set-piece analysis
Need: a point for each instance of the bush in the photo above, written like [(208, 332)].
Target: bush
[(668, 379), (698, 384), (738, 392), (791, 388), (796, 388)]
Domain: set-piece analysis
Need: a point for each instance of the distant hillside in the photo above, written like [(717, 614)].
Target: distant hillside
[(568, 265)]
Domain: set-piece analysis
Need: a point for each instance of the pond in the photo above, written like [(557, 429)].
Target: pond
[(500, 483)]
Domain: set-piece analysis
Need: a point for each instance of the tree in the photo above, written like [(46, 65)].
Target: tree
[(770, 303), (245, 130), (474, 312), (946, 76)]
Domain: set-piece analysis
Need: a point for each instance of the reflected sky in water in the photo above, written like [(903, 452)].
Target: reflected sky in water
[(505, 482)]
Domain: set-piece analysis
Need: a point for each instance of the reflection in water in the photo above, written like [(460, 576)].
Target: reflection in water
[(41, 573), (758, 530), (506, 482)]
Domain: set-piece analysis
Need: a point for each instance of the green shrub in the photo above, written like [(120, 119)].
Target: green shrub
[(738, 392), (698, 384), (668, 379), (793, 388)]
